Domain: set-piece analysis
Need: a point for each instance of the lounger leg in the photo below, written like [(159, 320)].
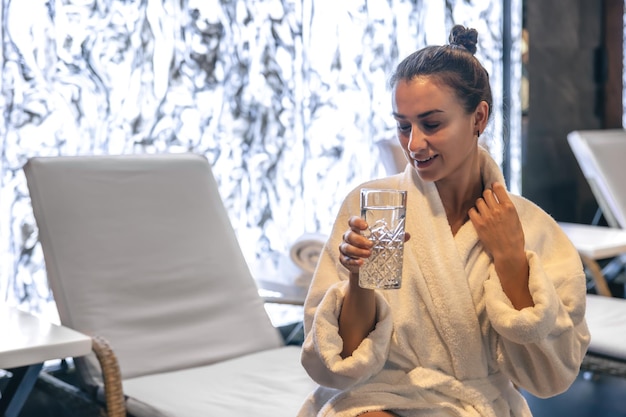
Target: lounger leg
[(19, 387), (601, 285)]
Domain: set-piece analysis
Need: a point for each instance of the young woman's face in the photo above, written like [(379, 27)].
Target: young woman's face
[(437, 135)]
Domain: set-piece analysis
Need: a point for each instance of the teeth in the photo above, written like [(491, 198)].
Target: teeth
[(424, 160)]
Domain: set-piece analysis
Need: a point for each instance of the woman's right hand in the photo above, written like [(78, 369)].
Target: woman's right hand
[(355, 247)]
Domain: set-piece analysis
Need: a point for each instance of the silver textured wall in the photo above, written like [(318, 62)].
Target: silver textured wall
[(287, 99)]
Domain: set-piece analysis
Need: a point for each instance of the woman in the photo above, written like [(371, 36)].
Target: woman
[(493, 292)]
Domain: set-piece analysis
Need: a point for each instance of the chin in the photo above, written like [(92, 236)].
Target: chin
[(425, 175)]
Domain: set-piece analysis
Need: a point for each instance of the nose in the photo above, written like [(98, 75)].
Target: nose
[(417, 141)]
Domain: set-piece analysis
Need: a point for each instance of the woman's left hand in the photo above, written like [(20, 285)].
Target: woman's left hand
[(500, 231), (497, 223)]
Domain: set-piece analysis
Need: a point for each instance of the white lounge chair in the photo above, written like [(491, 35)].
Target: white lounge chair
[(601, 155), (140, 253)]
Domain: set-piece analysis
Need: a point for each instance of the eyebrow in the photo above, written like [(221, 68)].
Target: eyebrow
[(419, 116)]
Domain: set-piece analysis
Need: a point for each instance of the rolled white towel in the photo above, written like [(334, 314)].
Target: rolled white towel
[(306, 251)]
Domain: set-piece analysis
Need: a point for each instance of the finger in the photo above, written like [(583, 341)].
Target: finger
[(351, 264), (473, 214), (353, 252), (355, 238), (490, 198), (500, 192), (480, 206), (357, 224)]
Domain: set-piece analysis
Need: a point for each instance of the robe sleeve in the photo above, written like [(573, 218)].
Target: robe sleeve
[(541, 347), (321, 351)]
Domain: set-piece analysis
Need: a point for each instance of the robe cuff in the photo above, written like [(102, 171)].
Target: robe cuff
[(531, 324), (321, 354)]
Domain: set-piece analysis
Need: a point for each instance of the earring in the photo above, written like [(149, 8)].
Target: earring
[(478, 133)]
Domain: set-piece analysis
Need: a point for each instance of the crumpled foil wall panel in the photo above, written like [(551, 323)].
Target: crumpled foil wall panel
[(285, 98)]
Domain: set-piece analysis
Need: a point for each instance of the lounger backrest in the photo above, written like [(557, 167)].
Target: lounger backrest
[(601, 155)]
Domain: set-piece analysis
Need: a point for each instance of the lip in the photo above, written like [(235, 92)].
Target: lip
[(424, 163)]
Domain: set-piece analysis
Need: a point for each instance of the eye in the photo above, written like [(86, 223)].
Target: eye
[(431, 125), (404, 127)]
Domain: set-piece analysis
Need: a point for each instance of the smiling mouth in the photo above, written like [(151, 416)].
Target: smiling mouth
[(423, 161)]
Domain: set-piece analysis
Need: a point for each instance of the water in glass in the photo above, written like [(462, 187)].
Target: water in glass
[(383, 269)]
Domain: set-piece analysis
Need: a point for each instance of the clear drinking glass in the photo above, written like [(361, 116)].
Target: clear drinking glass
[(384, 211)]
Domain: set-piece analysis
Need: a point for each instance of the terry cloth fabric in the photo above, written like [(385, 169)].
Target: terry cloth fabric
[(305, 251), (449, 342)]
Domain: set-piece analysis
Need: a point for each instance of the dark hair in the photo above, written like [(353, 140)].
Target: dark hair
[(453, 65)]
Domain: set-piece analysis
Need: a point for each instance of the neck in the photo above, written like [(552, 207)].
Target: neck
[(459, 194)]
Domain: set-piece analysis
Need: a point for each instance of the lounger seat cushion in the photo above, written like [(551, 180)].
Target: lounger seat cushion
[(263, 384), (606, 318)]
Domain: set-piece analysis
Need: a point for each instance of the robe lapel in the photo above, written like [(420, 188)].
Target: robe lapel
[(435, 250)]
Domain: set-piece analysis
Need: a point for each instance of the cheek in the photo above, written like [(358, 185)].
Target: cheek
[(463, 135), (403, 142)]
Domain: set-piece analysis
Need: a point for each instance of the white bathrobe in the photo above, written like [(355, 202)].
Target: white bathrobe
[(449, 342)]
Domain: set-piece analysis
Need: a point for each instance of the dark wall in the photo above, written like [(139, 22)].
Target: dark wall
[(563, 40)]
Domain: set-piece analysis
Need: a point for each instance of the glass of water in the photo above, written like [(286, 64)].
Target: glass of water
[(384, 211)]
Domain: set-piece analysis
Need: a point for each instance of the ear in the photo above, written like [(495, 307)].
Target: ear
[(481, 115)]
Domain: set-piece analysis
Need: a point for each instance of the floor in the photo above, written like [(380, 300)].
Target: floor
[(589, 396)]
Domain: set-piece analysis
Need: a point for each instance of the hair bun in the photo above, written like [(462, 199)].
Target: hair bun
[(464, 37)]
